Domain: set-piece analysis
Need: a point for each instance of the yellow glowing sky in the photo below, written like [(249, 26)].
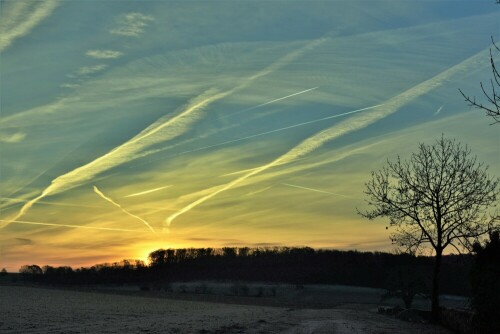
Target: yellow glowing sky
[(131, 126)]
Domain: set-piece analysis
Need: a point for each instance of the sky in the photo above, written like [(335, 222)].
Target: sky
[(128, 126)]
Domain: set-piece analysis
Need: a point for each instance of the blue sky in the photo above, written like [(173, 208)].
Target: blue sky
[(128, 126)]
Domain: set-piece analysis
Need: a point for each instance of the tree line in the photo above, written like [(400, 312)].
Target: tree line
[(289, 265)]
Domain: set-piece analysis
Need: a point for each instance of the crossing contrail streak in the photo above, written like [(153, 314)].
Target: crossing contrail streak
[(98, 192), (315, 190), (300, 150), (278, 130), (70, 226), (354, 123), (160, 131), (276, 100), (146, 191)]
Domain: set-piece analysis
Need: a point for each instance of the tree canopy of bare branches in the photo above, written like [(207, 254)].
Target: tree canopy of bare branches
[(439, 197), (491, 92)]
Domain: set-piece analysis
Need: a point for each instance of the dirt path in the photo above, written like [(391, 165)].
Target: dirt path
[(36, 310)]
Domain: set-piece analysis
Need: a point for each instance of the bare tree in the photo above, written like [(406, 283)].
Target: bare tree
[(491, 93), (439, 198)]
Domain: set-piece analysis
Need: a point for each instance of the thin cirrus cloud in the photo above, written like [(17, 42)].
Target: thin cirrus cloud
[(166, 128), (131, 24), (357, 122), (18, 18), (104, 54)]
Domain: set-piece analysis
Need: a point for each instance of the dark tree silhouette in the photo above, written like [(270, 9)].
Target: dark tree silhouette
[(290, 265), (32, 269), (439, 197), (490, 91), (486, 285), (405, 282), (3, 272)]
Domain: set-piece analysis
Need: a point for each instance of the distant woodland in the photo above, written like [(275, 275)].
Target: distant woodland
[(274, 265)]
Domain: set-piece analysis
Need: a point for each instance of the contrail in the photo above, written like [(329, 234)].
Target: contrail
[(223, 188), (20, 18), (315, 190), (276, 100), (70, 226), (52, 203), (247, 170), (119, 155), (166, 130), (146, 192), (98, 192), (439, 110), (280, 129), (258, 191), (238, 172), (354, 123)]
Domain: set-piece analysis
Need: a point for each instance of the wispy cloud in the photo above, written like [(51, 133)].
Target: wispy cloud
[(357, 122), (86, 70), (12, 138), (70, 85), (131, 24), (98, 192), (24, 241), (104, 54), (147, 191), (19, 119), (19, 17)]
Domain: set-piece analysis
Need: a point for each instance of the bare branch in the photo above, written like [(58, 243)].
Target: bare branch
[(492, 96)]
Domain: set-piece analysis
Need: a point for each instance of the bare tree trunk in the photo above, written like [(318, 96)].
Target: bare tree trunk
[(435, 314)]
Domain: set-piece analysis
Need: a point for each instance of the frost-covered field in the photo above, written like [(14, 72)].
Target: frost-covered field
[(36, 310)]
